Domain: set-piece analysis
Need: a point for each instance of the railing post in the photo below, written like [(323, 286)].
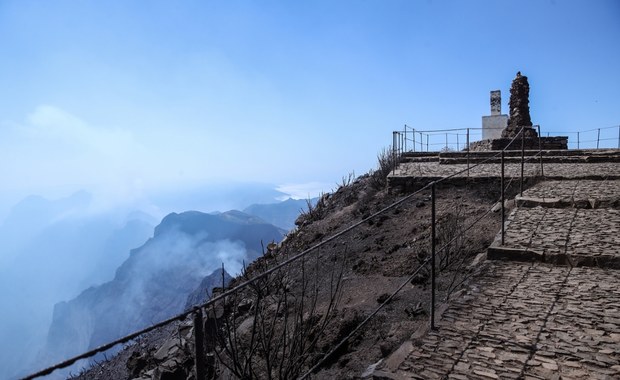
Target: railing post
[(405, 138), (199, 350), (542, 170), (619, 137), (433, 198), (598, 137), (421, 143), (467, 152), (457, 141), (522, 159), (394, 142), (502, 197), (577, 140), (413, 134), (427, 142), (210, 332), (446, 140)]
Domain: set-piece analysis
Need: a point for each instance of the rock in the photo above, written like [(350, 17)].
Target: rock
[(519, 109), (136, 363), (166, 348), (244, 305), (171, 374), (419, 278), (383, 297)]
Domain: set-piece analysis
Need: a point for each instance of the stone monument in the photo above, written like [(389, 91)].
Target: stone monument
[(492, 126), (519, 109), (499, 131)]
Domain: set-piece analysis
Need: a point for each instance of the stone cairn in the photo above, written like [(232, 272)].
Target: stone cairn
[(519, 109)]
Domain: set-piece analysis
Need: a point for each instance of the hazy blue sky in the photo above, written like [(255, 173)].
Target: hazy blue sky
[(122, 97)]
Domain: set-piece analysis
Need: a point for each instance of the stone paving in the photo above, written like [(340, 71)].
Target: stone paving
[(567, 234), (573, 193), (523, 321), (611, 170)]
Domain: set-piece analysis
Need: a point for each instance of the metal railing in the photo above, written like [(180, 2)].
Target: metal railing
[(596, 138), (410, 139), (197, 311)]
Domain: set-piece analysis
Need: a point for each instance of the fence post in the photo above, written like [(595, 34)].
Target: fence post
[(394, 138), (467, 152), (502, 198), (619, 137), (457, 141), (199, 350), (522, 159), (577, 140), (433, 255), (210, 332), (446, 140), (598, 137), (421, 143), (405, 138), (427, 142), (542, 170), (413, 134)]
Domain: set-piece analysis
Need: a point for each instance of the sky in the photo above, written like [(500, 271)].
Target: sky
[(126, 98)]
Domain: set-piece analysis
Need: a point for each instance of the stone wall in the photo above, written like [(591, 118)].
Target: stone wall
[(547, 143)]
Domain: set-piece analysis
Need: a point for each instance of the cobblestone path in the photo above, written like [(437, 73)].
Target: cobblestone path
[(556, 317), (524, 321)]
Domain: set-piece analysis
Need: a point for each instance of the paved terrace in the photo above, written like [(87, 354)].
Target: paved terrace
[(424, 167), (554, 317)]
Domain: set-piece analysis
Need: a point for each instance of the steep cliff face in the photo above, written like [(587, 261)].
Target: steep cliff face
[(52, 249), (154, 283)]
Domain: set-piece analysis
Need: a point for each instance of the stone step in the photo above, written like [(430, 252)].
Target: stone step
[(567, 236), (572, 194), (420, 159), (517, 153), (531, 158), (549, 156)]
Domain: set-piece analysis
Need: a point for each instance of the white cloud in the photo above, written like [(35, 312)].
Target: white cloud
[(54, 150), (58, 126), (304, 190)]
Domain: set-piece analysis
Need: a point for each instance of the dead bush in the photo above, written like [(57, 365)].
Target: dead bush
[(386, 162), (277, 332)]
